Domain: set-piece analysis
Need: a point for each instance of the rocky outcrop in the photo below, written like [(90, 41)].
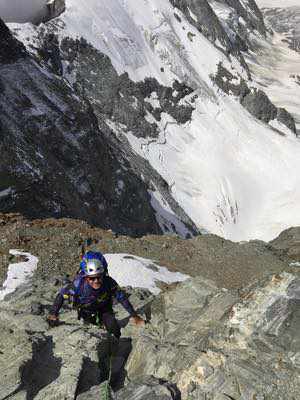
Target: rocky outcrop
[(215, 345), (288, 244), (250, 13), (201, 342), (201, 14), (55, 159), (10, 50), (286, 119), (259, 105), (255, 101), (57, 244), (114, 96)]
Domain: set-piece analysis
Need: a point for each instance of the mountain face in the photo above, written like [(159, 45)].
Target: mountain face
[(55, 158), (182, 91)]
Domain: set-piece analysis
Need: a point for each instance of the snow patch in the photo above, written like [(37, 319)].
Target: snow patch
[(18, 273), (129, 270)]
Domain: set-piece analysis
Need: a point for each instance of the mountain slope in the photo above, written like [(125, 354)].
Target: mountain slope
[(55, 159), (231, 173)]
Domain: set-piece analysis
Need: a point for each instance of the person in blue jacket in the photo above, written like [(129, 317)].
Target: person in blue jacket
[(92, 293)]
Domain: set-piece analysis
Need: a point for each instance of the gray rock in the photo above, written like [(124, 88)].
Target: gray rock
[(37, 308), (249, 348), (286, 119), (10, 49), (288, 244), (259, 105), (255, 101), (202, 342)]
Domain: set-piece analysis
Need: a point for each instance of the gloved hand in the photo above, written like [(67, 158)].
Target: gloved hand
[(137, 320), (52, 320)]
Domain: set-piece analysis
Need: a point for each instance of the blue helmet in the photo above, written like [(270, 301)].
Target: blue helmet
[(93, 263)]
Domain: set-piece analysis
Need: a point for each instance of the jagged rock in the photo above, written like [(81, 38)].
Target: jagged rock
[(116, 96), (201, 14), (286, 118), (202, 342), (259, 105), (149, 388), (229, 83), (214, 345), (255, 101), (288, 244), (10, 50), (146, 388)]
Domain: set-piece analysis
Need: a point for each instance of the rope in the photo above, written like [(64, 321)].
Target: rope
[(105, 389)]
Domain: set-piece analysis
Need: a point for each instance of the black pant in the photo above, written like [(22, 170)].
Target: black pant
[(111, 324), (107, 318)]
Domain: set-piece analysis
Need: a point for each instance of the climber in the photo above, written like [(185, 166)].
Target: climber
[(92, 293)]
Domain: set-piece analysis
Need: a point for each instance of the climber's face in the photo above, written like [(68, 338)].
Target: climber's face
[(95, 281)]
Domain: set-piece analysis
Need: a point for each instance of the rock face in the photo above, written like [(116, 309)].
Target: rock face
[(112, 102), (200, 13), (201, 342), (248, 349), (256, 102), (54, 156), (288, 244), (10, 50), (285, 118)]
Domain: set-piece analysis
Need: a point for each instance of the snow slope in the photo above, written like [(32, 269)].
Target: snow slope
[(233, 175)]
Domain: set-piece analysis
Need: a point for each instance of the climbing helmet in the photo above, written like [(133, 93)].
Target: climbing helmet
[(93, 263)]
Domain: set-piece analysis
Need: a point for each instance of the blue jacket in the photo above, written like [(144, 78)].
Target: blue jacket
[(92, 300)]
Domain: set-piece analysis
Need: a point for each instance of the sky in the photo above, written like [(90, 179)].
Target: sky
[(22, 10)]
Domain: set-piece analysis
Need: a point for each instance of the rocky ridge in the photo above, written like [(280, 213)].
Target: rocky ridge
[(201, 342), (57, 243), (255, 101)]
